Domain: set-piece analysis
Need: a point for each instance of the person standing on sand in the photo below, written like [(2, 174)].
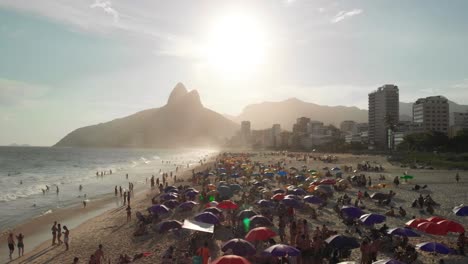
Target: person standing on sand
[(457, 177), (99, 255), (66, 235), (20, 244), (115, 191), (54, 233), (125, 198), (129, 213), (128, 198), (59, 234), (57, 190), (11, 244)]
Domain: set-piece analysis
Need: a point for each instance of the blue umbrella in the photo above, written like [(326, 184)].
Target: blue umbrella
[(372, 219), (298, 191), (342, 242), (461, 210), (239, 247), (335, 169), (282, 173), (187, 205), (388, 261), (168, 225), (170, 188), (281, 250), (434, 247), (171, 203), (399, 231), (159, 209), (351, 211), (169, 196), (290, 202), (208, 218), (192, 193), (313, 199), (275, 191), (266, 203)]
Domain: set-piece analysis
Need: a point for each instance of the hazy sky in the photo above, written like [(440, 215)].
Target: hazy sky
[(70, 63)]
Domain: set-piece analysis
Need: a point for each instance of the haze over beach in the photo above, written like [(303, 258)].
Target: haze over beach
[(216, 132)]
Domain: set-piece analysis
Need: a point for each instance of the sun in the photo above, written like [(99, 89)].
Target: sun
[(235, 45)]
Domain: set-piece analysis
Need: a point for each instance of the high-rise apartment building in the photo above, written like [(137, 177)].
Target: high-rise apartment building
[(383, 111), (431, 114)]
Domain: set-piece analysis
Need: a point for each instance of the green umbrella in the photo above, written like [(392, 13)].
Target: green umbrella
[(406, 177)]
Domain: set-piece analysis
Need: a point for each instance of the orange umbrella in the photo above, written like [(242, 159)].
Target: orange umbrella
[(260, 234)]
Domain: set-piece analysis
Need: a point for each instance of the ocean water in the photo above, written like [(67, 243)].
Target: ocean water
[(26, 171)]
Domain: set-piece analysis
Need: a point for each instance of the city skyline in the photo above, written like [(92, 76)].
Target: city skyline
[(100, 60)]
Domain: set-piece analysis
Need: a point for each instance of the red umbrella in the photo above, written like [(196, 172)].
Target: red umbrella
[(260, 233), (452, 226), (432, 228), (435, 219), (227, 204), (328, 181), (278, 197), (415, 222), (230, 259)]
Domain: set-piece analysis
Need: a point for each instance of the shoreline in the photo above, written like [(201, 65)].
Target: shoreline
[(37, 230)]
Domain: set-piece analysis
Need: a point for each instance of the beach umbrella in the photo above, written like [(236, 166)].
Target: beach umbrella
[(461, 210), (281, 250), (432, 228), (378, 196), (239, 247), (192, 193), (351, 211), (211, 204), (324, 188), (292, 196), (335, 169), (402, 232), (187, 205), (300, 178), (213, 210), (235, 175), (235, 187), (434, 247), (170, 188), (257, 183), (406, 177), (452, 226), (278, 197), (171, 203), (415, 222), (260, 234), (227, 205), (329, 181), (292, 203), (282, 173), (269, 174), (435, 219), (246, 214), (159, 209), (260, 220), (211, 186), (388, 261), (298, 191), (230, 259), (208, 218), (313, 199), (225, 191), (265, 203), (372, 219), (221, 183), (169, 196), (342, 242), (275, 191), (169, 225)]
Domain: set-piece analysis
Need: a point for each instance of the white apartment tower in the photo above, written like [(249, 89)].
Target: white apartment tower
[(383, 109)]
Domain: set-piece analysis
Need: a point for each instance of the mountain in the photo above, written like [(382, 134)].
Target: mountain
[(182, 122), (264, 115), (406, 109)]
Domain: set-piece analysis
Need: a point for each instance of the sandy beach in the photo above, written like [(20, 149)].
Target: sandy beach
[(110, 228)]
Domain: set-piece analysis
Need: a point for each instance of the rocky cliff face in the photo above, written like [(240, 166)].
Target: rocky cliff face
[(182, 122)]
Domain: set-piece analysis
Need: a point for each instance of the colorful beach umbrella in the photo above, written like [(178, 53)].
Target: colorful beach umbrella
[(260, 234), (329, 181), (432, 228), (239, 247), (278, 197), (313, 199), (298, 191), (407, 177), (372, 219), (230, 259), (434, 247), (351, 211), (461, 210), (282, 250), (435, 219), (260, 220), (415, 222), (452, 226), (342, 242), (399, 231), (291, 203), (265, 203), (208, 218), (227, 205)]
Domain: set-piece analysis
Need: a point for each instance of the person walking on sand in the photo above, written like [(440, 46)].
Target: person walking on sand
[(66, 237), (20, 244), (59, 234), (11, 244), (125, 198), (457, 177), (54, 233), (129, 213), (99, 255), (115, 191), (57, 190)]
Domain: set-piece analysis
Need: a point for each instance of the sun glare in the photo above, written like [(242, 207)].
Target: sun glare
[(235, 45)]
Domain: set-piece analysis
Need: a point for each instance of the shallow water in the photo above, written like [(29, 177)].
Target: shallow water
[(26, 171)]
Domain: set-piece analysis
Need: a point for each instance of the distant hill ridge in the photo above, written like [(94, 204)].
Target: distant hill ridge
[(182, 122)]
